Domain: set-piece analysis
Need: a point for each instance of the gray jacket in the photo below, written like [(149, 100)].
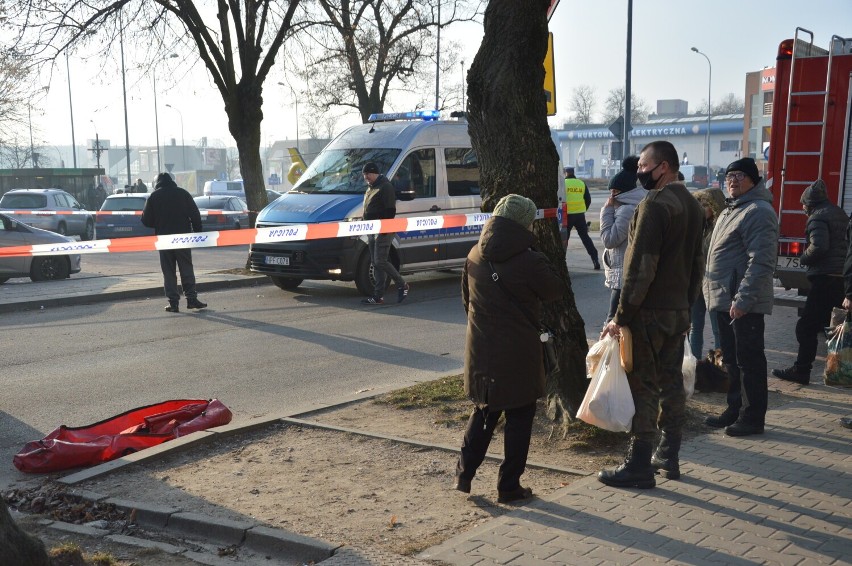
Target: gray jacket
[(615, 224), (743, 250)]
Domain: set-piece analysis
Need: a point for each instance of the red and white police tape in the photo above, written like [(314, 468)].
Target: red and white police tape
[(108, 212), (287, 233)]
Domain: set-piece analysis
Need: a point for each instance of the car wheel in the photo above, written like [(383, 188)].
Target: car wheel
[(49, 268), (286, 283), (62, 229), (237, 225), (365, 280), (89, 232)]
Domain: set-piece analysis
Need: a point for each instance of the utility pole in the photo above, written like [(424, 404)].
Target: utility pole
[(97, 150)]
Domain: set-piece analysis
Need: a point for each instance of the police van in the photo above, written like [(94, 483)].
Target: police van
[(435, 172)]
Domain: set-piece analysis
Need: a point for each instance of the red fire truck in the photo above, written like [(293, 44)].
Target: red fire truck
[(809, 140)]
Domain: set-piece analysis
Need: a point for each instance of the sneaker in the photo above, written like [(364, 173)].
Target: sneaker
[(373, 301), (195, 304), (402, 292), (172, 307)]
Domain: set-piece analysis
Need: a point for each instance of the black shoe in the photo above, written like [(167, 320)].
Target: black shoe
[(846, 422), (665, 459), (462, 485), (402, 293), (597, 264), (172, 307), (514, 495), (373, 301), (727, 418), (741, 428), (794, 374), (195, 304), (636, 471)]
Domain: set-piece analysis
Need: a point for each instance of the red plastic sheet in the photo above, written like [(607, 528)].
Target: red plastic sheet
[(134, 430)]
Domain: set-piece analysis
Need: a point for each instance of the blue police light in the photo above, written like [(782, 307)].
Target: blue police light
[(425, 115)]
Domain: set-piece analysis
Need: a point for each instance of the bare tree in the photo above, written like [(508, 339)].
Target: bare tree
[(14, 92), (508, 130), (369, 48), (730, 104), (614, 107), (582, 104)]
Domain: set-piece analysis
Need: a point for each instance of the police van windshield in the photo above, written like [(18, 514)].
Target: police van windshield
[(338, 171)]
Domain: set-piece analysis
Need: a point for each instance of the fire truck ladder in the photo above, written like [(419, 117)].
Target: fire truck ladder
[(803, 49)]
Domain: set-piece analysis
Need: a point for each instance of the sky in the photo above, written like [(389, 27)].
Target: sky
[(738, 36)]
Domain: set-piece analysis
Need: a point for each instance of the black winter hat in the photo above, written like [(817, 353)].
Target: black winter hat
[(747, 166), (625, 180), (370, 167), (164, 180)]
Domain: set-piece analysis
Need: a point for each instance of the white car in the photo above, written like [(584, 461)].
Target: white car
[(38, 268)]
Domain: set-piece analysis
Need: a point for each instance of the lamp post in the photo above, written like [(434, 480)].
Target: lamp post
[(296, 104), (182, 145), (124, 92), (156, 119), (71, 111), (32, 145), (438, 59), (462, 85), (709, 79)]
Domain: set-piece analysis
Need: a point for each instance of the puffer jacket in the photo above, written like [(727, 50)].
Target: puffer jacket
[(503, 367), (825, 233), (743, 250), (615, 225)]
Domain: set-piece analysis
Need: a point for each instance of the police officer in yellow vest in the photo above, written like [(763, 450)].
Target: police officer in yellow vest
[(578, 199)]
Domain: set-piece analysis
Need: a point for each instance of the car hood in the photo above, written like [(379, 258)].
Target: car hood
[(294, 208), (39, 236)]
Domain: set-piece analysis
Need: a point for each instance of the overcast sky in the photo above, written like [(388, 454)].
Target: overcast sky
[(590, 48)]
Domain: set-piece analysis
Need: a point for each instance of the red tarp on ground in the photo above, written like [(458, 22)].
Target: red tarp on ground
[(134, 430)]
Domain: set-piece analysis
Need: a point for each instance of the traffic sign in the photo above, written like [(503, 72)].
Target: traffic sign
[(550, 78), (617, 127), (552, 8)]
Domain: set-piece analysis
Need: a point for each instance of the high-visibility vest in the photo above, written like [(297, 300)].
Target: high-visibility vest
[(575, 191)]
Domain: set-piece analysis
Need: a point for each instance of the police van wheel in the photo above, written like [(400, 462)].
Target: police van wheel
[(286, 283), (364, 279)]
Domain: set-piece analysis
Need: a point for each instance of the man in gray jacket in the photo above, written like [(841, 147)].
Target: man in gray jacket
[(738, 290)]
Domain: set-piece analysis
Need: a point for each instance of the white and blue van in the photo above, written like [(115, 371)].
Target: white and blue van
[(435, 172)]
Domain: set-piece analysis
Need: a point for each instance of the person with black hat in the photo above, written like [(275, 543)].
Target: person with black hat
[(380, 203), (578, 200), (738, 290), (171, 210), (624, 196)]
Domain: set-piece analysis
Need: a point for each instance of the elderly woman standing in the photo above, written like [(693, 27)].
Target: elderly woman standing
[(713, 202), (615, 223), (503, 366)]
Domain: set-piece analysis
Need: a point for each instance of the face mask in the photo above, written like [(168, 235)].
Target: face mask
[(646, 178)]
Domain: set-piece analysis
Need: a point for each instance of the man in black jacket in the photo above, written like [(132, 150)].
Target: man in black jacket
[(379, 203), (171, 210)]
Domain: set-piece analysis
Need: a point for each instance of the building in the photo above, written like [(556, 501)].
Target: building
[(759, 90)]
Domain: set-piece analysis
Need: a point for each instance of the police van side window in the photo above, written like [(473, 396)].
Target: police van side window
[(417, 173), (462, 171)]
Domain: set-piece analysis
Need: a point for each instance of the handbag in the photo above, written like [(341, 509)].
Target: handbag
[(838, 361), (550, 354)]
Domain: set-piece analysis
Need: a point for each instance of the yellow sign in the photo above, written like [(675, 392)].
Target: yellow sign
[(550, 78)]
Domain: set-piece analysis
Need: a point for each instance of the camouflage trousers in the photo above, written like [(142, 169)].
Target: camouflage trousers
[(657, 378)]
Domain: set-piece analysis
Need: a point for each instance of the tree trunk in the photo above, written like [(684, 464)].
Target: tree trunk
[(16, 546), (508, 128), (245, 114)]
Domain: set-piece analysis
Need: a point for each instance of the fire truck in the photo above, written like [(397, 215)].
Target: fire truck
[(809, 139)]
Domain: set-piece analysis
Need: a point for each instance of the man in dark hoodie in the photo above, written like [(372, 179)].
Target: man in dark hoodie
[(824, 257), (380, 203), (171, 210)]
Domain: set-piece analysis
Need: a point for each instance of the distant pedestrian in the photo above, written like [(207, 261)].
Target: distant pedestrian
[(503, 365), (616, 213), (824, 256), (380, 203), (140, 187), (738, 289), (100, 196), (578, 200), (171, 210), (662, 277), (713, 202)]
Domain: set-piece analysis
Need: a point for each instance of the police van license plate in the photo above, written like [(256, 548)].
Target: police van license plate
[(277, 260), (788, 262)]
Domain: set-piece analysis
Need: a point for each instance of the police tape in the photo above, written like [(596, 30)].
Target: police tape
[(107, 212), (272, 234)]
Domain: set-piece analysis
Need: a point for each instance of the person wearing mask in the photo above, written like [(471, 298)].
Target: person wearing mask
[(624, 196), (171, 210), (738, 290), (503, 363), (713, 202), (578, 200), (824, 256), (663, 267)]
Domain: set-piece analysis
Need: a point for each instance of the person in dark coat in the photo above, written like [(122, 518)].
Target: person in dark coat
[(503, 366), (171, 210), (824, 257)]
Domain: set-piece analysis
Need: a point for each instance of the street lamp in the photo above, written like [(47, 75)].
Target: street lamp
[(182, 145), (156, 119), (296, 104), (462, 85), (124, 92), (71, 110), (709, 79), (32, 145)]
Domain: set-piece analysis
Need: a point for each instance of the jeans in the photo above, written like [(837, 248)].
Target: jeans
[(516, 444), (379, 245), (826, 293), (696, 334), (183, 258), (614, 296), (745, 359), (578, 222)]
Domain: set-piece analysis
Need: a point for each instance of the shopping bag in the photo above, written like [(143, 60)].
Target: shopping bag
[(593, 358), (688, 368), (608, 403), (838, 362)]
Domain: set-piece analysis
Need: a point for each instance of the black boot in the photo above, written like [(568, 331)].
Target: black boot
[(727, 418), (665, 459), (796, 374), (636, 471)]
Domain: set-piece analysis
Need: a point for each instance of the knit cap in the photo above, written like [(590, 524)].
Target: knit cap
[(814, 194), (164, 180), (625, 180), (517, 208), (747, 166), (370, 167)]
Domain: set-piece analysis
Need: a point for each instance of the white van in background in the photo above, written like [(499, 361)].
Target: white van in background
[(230, 188)]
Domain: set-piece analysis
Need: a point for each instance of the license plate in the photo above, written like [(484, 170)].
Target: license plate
[(277, 260), (788, 262), (123, 228)]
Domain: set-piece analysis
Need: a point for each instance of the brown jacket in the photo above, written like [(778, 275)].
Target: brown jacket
[(503, 366)]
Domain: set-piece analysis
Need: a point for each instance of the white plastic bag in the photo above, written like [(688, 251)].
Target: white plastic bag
[(608, 403), (688, 368), (593, 358)]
